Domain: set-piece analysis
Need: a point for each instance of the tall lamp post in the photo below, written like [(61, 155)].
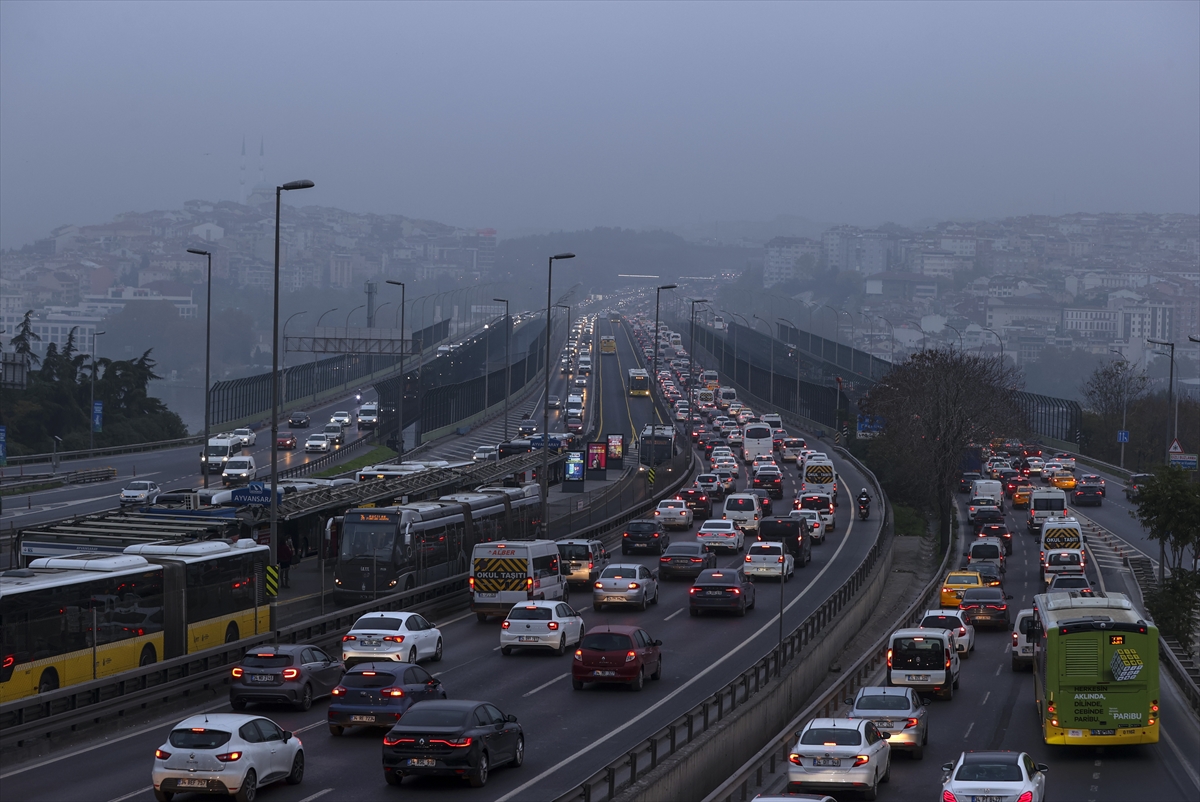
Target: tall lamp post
[(1162, 547), (1124, 400), (568, 308), (92, 410), (746, 323), (291, 185), (207, 354), (959, 333), (400, 391), (797, 347), (892, 345), (654, 378), (508, 365), (692, 394), (346, 356), (1000, 340), (283, 363), (546, 394)]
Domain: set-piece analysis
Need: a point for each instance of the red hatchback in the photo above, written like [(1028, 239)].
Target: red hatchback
[(286, 441), (627, 655)]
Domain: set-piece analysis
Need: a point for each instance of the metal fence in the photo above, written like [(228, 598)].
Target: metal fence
[(1052, 417)]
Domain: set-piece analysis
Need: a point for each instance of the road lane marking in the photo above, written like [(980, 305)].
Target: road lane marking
[(998, 670), (317, 795), (545, 685), (1184, 763), (970, 727), (685, 686), (308, 727), (672, 615), (132, 794), (985, 698)]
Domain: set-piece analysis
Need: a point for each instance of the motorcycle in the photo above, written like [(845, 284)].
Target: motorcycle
[(864, 511), (358, 397)]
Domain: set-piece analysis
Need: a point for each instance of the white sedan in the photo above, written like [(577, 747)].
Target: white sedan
[(317, 442), (403, 637), (674, 512), (994, 775), (342, 417), (719, 533), (140, 492), (541, 625), (248, 437), (815, 524), (839, 754), (769, 559), (226, 753)]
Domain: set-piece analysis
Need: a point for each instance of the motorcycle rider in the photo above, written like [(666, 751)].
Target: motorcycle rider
[(864, 498)]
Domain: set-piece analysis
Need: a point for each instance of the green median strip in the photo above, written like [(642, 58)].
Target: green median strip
[(372, 457)]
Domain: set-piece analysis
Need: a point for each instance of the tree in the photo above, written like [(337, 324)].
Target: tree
[(1112, 387), (22, 342), (1169, 507), (936, 404)]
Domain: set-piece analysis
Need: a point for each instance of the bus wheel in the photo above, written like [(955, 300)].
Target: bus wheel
[(49, 681), (231, 632), (409, 584), (148, 655)]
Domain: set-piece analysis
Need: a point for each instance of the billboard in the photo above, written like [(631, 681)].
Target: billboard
[(573, 471), (597, 456), (616, 446)]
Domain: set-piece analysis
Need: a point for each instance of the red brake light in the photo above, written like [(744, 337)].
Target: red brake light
[(393, 638), (630, 656), (1026, 797), (634, 586), (8, 661), (161, 755), (735, 591), (349, 637), (948, 797), (692, 590), (393, 692), (471, 585), (291, 673), (794, 758), (747, 558), (553, 625), (861, 760), (455, 742), (626, 534), (230, 757), (390, 741), (504, 625), (339, 690), (664, 559), (237, 672)]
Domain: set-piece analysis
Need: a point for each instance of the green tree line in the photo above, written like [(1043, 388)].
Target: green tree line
[(57, 399)]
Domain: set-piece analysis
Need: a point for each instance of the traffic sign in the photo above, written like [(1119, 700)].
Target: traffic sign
[(650, 476), (1175, 447), (255, 493), (1185, 461), (1123, 436)]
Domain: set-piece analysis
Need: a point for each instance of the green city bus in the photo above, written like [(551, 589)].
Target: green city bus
[(1095, 670)]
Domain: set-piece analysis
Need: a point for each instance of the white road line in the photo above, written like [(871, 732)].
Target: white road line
[(308, 727), (132, 794), (685, 686), (970, 727), (985, 698), (545, 685), (998, 670), (1184, 762), (672, 615), (317, 795)]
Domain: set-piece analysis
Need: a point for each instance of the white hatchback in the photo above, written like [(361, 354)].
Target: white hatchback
[(718, 533), (541, 625), (845, 754), (226, 753), (674, 512), (769, 559), (402, 637), (815, 524)]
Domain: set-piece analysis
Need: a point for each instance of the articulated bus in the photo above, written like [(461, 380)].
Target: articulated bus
[(608, 345), (1095, 670), (639, 381), (70, 619), (383, 550)]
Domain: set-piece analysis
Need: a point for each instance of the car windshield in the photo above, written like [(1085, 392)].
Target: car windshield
[(717, 526), (605, 642), (316, 438), (917, 653), (368, 679), (198, 738), (418, 716), (740, 504), (996, 772), (573, 551), (962, 579), (267, 660), (237, 464), (835, 736), (530, 614), (880, 702), (138, 486), (619, 572), (378, 622)]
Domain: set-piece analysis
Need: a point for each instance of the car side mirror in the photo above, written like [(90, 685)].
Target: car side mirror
[(1042, 767), (947, 767), (658, 643), (1009, 597), (848, 701), (926, 702), (885, 735), (287, 735), (511, 718), (966, 554)]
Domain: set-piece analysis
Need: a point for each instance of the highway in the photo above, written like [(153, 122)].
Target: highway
[(569, 734)]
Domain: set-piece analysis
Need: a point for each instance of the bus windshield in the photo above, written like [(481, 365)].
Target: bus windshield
[(369, 539)]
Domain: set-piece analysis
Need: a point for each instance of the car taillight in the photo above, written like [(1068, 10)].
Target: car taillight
[(1026, 797), (553, 625), (748, 556), (504, 625), (579, 655), (394, 692), (455, 742), (388, 740), (735, 591), (339, 690), (664, 559), (591, 566), (634, 586), (630, 656), (161, 755), (471, 583), (528, 583), (656, 534), (349, 637), (626, 534), (291, 673), (912, 722), (861, 760), (947, 659), (238, 672), (794, 758), (948, 797), (230, 757), (393, 638)]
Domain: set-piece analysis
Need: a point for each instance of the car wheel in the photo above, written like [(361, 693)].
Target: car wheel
[(597, 606), (48, 682), (412, 655), (642, 604), (480, 778), (393, 777), (658, 671), (655, 599), (305, 700), (518, 753), (639, 681), (577, 684), (742, 610), (693, 611), (872, 792), (237, 703), (334, 729), (964, 655), (481, 617), (249, 789), (297, 773), (887, 770), (918, 752), (163, 796), (562, 645), (506, 650), (437, 653), (956, 681)]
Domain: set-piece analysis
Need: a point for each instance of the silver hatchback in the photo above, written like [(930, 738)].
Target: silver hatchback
[(898, 712), (625, 584)]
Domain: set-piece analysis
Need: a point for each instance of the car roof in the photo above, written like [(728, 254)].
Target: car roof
[(997, 756), (714, 574), (283, 648), (837, 723), (617, 629), (918, 632), (879, 690), (942, 611), (213, 721), (384, 614)]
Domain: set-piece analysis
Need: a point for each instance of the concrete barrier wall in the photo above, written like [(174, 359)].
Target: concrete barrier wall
[(720, 752)]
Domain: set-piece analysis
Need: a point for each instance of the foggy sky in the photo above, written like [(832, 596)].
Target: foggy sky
[(541, 116)]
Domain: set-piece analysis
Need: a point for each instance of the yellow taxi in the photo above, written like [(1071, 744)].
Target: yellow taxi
[(954, 585), (1063, 480), (1020, 496)]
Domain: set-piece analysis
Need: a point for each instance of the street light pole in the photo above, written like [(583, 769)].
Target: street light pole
[(1162, 544), (771, 386), (508, 364), (346, 356), (1000, 340), (283, 368), (654, 378), (92, 409), (1124, 400), (319, 319), (959, 333), (400, 392), (546, 395), (207, 355), (275, 378), (797, 347), (692, 389)]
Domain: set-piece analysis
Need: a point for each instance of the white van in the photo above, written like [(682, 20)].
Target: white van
[(1061, 533), (1045, 503), (368, 416), (239, 471), (220, 449), (1022, 646), (583, 560), (726, 396), (744, 510), (925, 660), (773, 420), (585, 365), (508, 573), (989, 488), (819, 476)]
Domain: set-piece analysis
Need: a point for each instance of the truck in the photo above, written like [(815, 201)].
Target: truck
[(368, 416)]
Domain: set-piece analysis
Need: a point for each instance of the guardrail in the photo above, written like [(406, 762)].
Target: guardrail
[(59, 479), (646, 756), (132, 448), (757, 771)]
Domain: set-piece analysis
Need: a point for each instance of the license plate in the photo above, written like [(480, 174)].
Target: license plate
[(614, 598), (604, 673), (987, 799), (527, 638), (426, 762), (482, 595), (363, 719), (370, 642), (883, 724), (261, 678), (189, 783), (827, 761), (714, 593), (1104, 732), (917, 677)]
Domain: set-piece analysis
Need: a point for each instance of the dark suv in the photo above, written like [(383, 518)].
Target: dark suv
[(1135, 484), (987, 515), (967, 481), (698, 502), (643, 535), (1088, 495)]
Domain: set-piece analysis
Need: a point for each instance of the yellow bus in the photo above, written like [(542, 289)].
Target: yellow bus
[(71, 619), (608, 345)]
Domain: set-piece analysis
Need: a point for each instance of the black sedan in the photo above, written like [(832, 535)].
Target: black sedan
[(452, 738), (299, 420), (726, 589), (685, 559), (376, 694)]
